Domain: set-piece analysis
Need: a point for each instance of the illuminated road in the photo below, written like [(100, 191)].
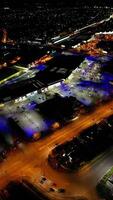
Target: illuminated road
[(67, 37), (30, 161), (100, 167)]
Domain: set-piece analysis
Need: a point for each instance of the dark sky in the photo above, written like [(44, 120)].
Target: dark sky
[(64, 2)]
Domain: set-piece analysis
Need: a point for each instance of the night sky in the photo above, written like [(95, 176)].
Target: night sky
[(18, 3)]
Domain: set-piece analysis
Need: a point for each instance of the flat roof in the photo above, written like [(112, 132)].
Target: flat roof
[(59, 67), (17, 90), (7, 71)]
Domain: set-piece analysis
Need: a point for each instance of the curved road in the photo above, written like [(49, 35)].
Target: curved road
[(30, 160)]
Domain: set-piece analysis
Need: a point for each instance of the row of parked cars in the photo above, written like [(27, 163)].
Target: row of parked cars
[(23, 189), (105, 185), (53, 186), (82, 149)]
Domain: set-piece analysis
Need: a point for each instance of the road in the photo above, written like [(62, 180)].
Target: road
[(30, 161), (67, 37), (100, 167)]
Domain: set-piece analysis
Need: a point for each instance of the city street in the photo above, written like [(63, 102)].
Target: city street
[(30, 161), (56, 81)]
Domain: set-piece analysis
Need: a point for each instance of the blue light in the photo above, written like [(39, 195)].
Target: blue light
[(4, 126), (41, 67), (102, 86), (31, 106), (106, 77), (92, 58), (64, 87), (49, 122), (29, 132)]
